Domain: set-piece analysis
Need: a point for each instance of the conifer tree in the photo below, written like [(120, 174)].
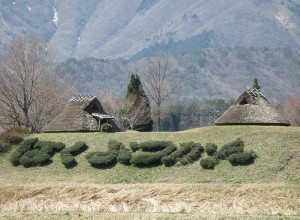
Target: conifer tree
[(255, 85), (136, 113)]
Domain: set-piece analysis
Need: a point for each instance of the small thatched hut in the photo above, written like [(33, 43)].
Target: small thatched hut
[(83, 113), (252, 108)]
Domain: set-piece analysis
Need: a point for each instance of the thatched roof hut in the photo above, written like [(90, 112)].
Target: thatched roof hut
[(83, 113), (252, 108)]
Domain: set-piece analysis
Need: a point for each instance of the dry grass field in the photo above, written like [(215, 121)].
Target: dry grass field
[(267, 189)]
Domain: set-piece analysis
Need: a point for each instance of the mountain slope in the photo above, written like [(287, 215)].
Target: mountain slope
[(127, 28), (203, 74)]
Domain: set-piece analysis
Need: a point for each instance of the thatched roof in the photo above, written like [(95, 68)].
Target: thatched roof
[(252, 108), (81, 114)]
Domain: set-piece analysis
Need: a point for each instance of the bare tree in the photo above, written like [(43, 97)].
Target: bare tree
[(156, 84), (30, 92), (292, 111), (135, 113), (111, 103)]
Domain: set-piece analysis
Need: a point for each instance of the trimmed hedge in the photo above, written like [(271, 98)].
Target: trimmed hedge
[(102, 159), (32, 152), (68, 160), (124, 156), (211, 148), (208, 163), (196, 151), (27, 145), (171, 159), (108, 159), (23, 147), (49, 147), (15, 157), (153, 146), (134, 146), (146, 158), (115, 145), (34, 158), (78, 148), (187, 153), (245, 158), (234, 147), (194, 154), (68, 154)]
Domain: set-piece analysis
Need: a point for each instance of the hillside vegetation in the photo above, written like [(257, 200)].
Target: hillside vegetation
[(203, 74), (267, 189), (278, 150)]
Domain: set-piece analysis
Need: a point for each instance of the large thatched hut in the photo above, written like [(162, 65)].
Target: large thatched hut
[(83, 113), (252, 108)]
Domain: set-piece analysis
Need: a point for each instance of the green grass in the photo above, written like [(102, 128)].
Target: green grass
[(278, 150)]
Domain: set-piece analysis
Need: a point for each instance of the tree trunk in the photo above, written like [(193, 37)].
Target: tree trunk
[(158, 117)]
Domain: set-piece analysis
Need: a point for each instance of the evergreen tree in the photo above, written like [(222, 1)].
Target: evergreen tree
[(255, 85), (136, 112)]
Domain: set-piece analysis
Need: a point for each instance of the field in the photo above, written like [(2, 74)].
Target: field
[(268, 189)]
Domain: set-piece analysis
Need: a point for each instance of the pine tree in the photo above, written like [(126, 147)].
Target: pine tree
[(255, 85), (136, 112)]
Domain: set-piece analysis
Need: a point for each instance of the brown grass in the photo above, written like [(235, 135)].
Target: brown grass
[(204, 199)]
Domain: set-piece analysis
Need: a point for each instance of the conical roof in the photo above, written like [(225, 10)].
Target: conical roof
[(252, 108)]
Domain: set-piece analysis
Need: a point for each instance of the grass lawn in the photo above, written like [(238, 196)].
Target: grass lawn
[(276, 169)]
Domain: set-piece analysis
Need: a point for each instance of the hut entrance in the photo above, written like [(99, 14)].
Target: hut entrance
[(102, 118)]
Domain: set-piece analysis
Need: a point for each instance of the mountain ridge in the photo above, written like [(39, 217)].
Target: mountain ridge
[(113, 29)]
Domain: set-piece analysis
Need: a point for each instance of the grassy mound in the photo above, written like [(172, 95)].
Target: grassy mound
[(277, 148)]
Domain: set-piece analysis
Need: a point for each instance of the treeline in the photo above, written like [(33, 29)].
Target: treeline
[(186, 115)]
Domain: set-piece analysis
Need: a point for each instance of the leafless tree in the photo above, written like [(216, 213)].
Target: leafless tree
[(133, 116), (30, 92), (156, 84), (111, 103), (292, 110)]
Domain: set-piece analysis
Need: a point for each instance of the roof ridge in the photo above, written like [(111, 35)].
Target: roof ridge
[(82, 97)]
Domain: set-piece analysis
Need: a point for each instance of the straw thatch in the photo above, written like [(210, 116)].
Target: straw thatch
[(252, 108), (83, 113)]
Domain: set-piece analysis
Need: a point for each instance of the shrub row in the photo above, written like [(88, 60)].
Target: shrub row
[(187, 153), (211, 149), (244, 158), (208, 163), (124, 156), (23, 147), (153, 146), (34, 158), (68, 154), (232, 151), (233, 147), (116, 152), (173, 158), (32, 152), (102, 159), (49, 147), (150, 157)]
